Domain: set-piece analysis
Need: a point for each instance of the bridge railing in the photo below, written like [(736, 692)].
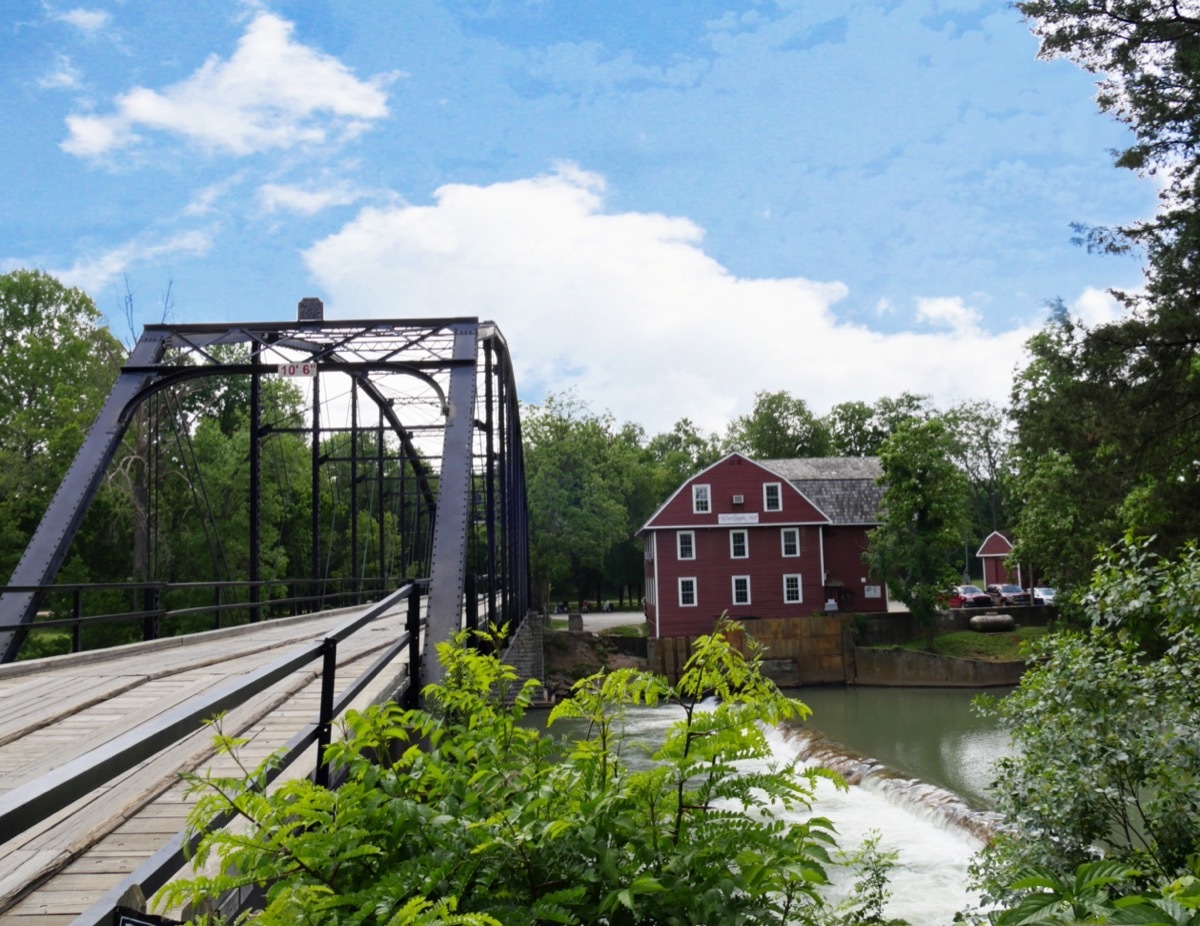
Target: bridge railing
[(150, 614), (26, 806)]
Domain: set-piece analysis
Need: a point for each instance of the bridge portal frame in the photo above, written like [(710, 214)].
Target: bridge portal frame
[(459, 364)]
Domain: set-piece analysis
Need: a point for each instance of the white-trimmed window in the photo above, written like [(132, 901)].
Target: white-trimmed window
[(701, 499), (687, 593), (741, 589), (789, 541), (793, 589), (685, 544), (739, 544), (772, 496)]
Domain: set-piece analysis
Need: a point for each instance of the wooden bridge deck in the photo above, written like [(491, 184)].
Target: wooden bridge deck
[(55, 710)]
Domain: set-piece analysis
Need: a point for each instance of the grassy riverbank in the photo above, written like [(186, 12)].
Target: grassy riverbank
[(970, 644)]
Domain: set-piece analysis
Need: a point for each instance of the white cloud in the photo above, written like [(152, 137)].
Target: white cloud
[(92, 274), (205, 200), (277, 197), (65, 76), (629, 308), (947, 312), (271, 93), (1097, 307), (89, 21)]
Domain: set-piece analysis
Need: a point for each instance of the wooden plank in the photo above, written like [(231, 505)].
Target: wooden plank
[(117, 803), (119, 833), (113, 864), (22, 866), (67, 902), (145, 824), (48, 749)]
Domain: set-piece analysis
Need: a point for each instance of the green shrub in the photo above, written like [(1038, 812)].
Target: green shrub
[(479, 820)]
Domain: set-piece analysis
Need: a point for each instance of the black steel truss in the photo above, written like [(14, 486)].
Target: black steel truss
[(444, 403)]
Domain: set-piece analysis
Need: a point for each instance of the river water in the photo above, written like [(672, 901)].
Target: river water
[(920, 762)]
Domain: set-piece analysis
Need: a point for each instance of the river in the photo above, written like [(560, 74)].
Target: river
[(921, 760)]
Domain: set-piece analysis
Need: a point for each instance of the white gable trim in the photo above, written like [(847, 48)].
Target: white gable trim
[(979, 553)]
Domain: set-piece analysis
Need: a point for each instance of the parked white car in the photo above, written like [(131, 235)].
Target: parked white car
[(1041, 595)]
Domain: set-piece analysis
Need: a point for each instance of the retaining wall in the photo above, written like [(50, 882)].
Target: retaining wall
[(800, 650), (910, 668), (820, 649), (526, 651)]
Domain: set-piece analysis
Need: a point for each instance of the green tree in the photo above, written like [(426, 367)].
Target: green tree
[(925, 514), (857, 429), (779, 427), (577, 483), (1106, 724), (1127, 394), (57, 365), (982, 441), (1072, 473), (679, 454), (487, 821)]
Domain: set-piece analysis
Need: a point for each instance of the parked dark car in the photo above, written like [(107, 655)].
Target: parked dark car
[(969, 596), (1008, 594), (1042, 595)]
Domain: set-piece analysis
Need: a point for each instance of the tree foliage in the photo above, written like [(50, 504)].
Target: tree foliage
[(489, 821), (1106, 724), (1118, 405), (57, 365), (779, 427), (981, 443), (858, 429), (577, 475), (924, 518), (678, 454)]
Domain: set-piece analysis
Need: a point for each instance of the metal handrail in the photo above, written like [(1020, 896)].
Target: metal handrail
[(157, 870), (29, 804), (295, 603)]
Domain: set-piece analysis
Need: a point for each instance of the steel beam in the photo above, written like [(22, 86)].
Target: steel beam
[(447, 569), (48, 546)]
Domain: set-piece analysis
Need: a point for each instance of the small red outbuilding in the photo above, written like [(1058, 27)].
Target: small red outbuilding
[(994, 550)]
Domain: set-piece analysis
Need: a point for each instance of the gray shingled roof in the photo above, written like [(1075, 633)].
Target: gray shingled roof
[(845, 488)]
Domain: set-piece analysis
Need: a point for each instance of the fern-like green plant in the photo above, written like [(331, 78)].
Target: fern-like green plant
[(459, 813)]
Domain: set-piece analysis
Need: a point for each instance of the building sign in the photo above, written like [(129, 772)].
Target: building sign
[(738, 518)]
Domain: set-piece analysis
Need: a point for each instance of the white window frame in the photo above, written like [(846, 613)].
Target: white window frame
[(745, 535), (799, 599), (783, 540), (695, 592), (733, 589), (778, 487), (701, 498), (679, 535)]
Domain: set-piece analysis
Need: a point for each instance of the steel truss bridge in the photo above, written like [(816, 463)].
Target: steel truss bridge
[(420, 417)]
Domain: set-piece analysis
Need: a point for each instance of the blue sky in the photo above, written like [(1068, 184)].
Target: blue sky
[(664, 205)]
